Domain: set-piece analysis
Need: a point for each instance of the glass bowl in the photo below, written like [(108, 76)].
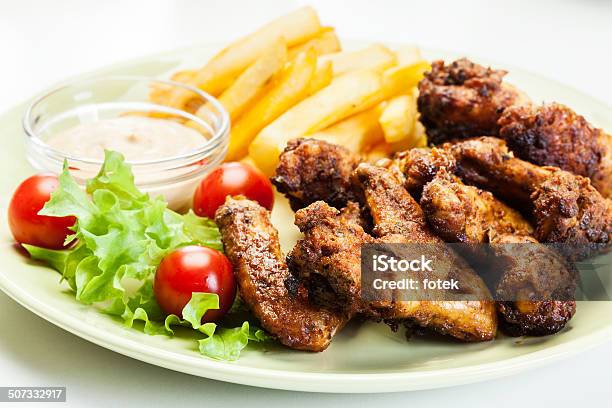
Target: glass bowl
[(89, 100)]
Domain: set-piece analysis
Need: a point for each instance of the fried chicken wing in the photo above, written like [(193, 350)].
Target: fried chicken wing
[(310, 170), (554, 135), (420, 165), (251, 244), (461, 213), (331, 249), (570, 210), (393, 210), (564, 207), (532, 271), (515, 265), (463, 99), (399, 219)]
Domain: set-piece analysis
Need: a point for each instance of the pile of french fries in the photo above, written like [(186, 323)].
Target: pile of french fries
[(291, 79)]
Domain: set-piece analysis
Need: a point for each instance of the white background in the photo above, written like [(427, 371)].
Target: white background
[(42, 42)]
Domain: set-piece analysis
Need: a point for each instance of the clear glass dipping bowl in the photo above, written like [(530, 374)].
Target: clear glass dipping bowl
[(90, 100)]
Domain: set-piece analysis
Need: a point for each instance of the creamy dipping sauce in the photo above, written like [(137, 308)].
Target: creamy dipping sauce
[(137, 138)]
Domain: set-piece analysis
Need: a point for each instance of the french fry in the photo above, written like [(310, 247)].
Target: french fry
[(383, 149), (296, 27), (377, 152), (398, 117), (252, 81), (403, 78), (357, 133), (325, 43), (376, 56), (291, 87), (398, 80), (345, 96), (322, 77), (408, 55)]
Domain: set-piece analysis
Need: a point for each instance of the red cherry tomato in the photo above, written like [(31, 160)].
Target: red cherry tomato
[(194, 269), (232, 179), (26, 225)]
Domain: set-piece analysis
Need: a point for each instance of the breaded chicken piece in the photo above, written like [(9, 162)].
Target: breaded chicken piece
[(393, 210), (564, 207), (532, 271), (331, 250), (399, 219), (516, 266), (420, 165), (310, 170), (464, 99), (252, 246), (554, 135), (460, 213), (570, 210)]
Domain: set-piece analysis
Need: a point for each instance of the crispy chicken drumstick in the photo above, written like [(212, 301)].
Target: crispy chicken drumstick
[(565, 208)]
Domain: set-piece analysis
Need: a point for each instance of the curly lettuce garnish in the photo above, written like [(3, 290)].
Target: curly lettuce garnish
[(120, 237)]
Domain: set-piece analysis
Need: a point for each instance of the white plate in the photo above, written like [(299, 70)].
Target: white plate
[(367, 358)]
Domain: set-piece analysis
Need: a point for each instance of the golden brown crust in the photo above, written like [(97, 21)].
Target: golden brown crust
[(487, 163), (310, 170), (420, 165), (460, 213), (532, 271), (463, 99), (554, 135), (251, 244), (399, 219), (565, 208), (393, 210), (535, 318), (331, 249), (570, 210)]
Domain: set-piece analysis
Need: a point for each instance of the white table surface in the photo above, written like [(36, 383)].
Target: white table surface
[(42, 42)]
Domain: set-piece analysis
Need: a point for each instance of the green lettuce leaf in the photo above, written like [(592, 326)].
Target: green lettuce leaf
[(120, 237)]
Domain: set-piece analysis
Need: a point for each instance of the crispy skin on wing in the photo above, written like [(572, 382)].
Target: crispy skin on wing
[(310, 170), (569, 209), (461, 213), (554, 135), (523, 269), (535, 318), (420, 165), (399, 219), (564, 207), (393, 210), (529, 270), (487, 163), (463, 99), (251, 244), (331, 249)]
